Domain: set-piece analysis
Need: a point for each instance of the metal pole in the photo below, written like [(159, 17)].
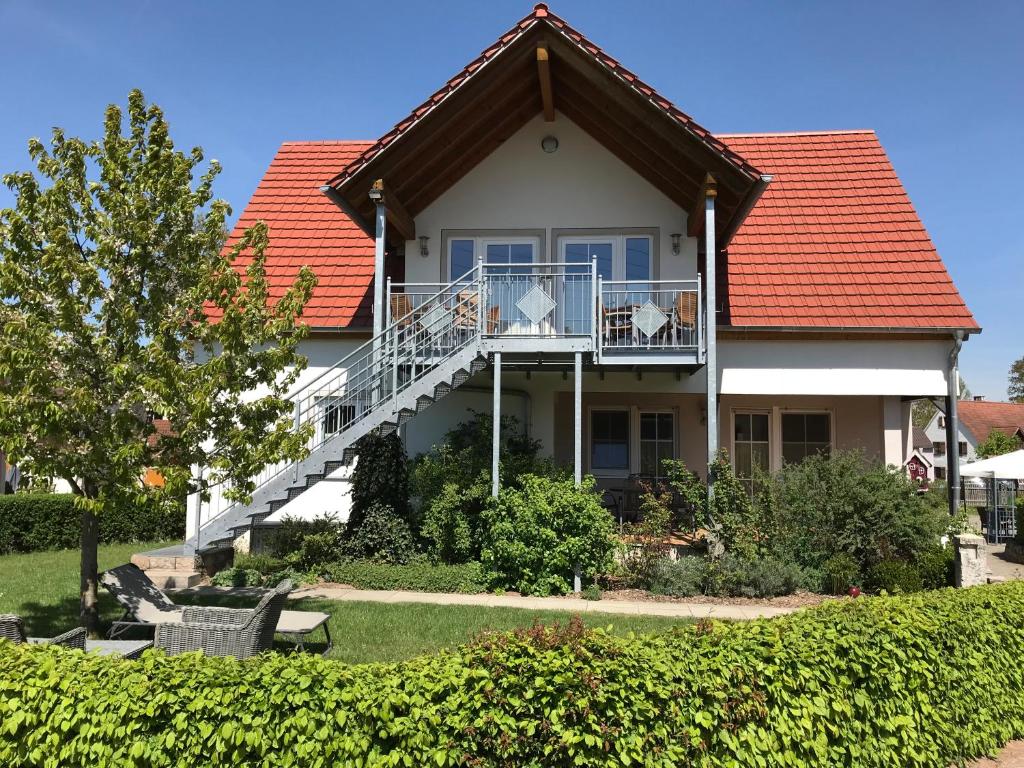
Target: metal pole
[(710, 335), (578, 414), (496, 425), (953, 426), (378, 269)]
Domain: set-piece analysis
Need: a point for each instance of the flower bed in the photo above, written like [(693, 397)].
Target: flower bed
[(920, 680)]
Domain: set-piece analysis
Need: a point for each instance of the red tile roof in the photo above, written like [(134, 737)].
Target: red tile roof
[(982, 417), (834, 241), (307, 229), (542, 15)]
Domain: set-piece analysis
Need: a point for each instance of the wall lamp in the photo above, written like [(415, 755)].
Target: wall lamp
[(675, 242), (424, 250)]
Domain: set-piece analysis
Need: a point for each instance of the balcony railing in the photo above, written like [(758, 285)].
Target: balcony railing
[(564, 300)]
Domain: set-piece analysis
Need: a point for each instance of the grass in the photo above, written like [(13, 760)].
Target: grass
[(42, 588)]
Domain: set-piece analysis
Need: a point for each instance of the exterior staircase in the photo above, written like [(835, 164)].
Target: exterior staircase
[(417, 360)]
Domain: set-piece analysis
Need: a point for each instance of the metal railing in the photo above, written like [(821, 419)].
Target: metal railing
[(661, 315)]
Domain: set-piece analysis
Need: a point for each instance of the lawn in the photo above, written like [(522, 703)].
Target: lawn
[(43, 588)]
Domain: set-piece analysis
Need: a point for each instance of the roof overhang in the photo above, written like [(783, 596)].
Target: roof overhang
[(542, 64)]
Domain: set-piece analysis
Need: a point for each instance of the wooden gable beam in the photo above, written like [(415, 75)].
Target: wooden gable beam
[(544, 73), (695, 221), (398, 216)]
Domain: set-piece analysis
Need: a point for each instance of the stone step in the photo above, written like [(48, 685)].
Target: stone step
[(179, 563), (165, 579)]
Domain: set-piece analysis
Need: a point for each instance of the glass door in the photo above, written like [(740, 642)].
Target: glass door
[(576, 288), (509, 287)]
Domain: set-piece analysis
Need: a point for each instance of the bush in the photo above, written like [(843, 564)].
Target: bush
[(841, 573), (259, 571), (761, 577), (895, 577), (451, 524), (935, 565), (31, 522), (646, 541), (537, 536), (810, 689), (288, 540), (383, 537), (380, 478), (684, 577), (417, 576)]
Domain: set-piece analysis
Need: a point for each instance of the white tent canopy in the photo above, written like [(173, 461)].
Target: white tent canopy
[(1009, 466)]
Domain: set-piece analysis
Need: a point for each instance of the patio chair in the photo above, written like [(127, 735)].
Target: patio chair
[(684, 319), (618, 326), (12, 628), (238, 632), (147, 607)]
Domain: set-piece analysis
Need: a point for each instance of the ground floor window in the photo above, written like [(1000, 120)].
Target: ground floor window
[(657, 442), (609, 442), (940, 473), (805, 434), (336, 415), (750, 446)]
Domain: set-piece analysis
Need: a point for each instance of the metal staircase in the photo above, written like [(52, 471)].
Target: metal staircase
[(418, 359)]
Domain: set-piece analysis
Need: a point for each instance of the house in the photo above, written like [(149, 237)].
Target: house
[(978, 419), (920, 465), (547, 235)]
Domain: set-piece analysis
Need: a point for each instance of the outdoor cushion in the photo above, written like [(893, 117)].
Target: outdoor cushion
[(135, 591)]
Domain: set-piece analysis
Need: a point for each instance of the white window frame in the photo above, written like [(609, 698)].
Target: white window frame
[(618, 243), (775, 414), (630, 452), (640, 412), (480, 243), (808, 412), (732, 435)]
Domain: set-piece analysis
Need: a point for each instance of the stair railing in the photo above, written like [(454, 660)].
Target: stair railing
[(375, 374)]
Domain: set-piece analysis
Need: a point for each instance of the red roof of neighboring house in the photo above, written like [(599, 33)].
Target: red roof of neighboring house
[(982, 417), (834, 241), (307, 229)]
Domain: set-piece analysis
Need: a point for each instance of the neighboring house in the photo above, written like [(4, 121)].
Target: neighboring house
[(920, 464), (549, 235), (978, 419)]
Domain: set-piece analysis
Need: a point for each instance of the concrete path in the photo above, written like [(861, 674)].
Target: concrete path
[(630, 607), (1012, 756), (999, 567)]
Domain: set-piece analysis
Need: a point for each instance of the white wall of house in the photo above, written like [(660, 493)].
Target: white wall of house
[(936, 432), (580, 186)]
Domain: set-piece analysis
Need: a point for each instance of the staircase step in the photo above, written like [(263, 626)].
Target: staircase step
[(460, 377), (164, 579), (330, 467), (442, 390), (348, 456), (477, 365), (183, 563), (295, 491), (386, 428), (405, 416), (423, 402), (276, 504), (313, 479)]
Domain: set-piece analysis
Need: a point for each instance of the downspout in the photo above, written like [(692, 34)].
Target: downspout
[(953, 424)]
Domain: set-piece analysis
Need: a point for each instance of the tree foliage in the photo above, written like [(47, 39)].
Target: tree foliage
[(1015, 390), (118, 303), (996, 444)]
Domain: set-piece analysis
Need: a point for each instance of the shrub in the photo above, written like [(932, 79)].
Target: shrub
[(935, 565), (841, 573), (895, 577), (383, 537), (451, 524), (258, 570), (30, 522), (591, 592), (416, 576), (762, 577), (289, 540), (683, 577), (380, 478), (646, 543), (537, 536), (811, 689)]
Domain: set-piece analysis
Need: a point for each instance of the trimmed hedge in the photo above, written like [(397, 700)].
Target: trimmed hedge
[(921, 680), (30, 522), (416, 576)]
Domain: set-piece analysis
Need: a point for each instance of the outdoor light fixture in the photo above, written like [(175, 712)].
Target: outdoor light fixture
[(376, 194), (675, 242), (424, 251), (549, 144)]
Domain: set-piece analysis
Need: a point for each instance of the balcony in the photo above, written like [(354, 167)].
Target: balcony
[(561, 307)]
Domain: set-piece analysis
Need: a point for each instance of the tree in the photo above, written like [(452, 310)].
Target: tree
[(1015, 391), (922, 412), (119, 302), (996, 444)]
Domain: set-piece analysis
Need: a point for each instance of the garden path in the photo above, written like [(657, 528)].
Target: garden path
[(634, 607)]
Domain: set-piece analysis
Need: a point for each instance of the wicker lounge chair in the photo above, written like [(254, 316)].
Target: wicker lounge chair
[(238, 632), (12, 628), (146, 607)]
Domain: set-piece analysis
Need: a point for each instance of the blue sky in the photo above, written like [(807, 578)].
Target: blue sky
[(941, 83)]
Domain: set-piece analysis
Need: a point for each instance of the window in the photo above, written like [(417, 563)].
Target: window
[(609, 442), (657, 442), (336, 415), (940, 449), (940, 473), (805, 434), (619, 257), (963, 448), (942, 422), (498, 249), (750, 446)]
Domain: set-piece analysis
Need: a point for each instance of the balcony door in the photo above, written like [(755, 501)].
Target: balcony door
[(619, 259), (510, 276)]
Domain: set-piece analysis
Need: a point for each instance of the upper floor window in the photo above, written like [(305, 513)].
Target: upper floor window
[(464, 251), (963, 448), (940, 448), (805, 434), (618, 257)]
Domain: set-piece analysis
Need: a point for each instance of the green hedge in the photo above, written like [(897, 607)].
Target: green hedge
[(417, 576), (921, 680), (30, 522)]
